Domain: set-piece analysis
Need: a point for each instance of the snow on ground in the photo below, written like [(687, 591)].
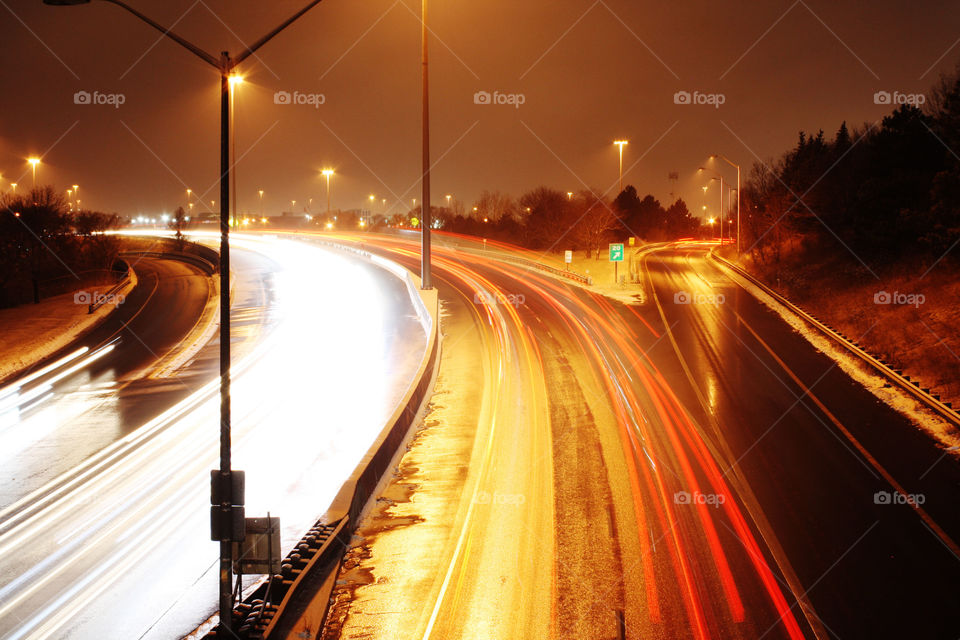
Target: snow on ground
[(945, 433), (32, 332)]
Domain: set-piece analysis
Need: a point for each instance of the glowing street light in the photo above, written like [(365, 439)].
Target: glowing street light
[(449, 198), (733, 164), (261, 202), (569, 195), (34, 161), (621, 144), (326, 174)]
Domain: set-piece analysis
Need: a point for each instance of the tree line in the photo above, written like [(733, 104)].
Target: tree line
[(548, 219), (43, 242), (882, 191)]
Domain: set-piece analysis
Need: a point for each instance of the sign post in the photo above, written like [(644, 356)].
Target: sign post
[(616, 257)]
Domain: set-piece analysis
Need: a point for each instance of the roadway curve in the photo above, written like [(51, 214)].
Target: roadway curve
[(117, 545), (590, 469)]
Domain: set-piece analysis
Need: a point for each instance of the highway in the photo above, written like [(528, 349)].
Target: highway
[(114, 543), (684, 468)]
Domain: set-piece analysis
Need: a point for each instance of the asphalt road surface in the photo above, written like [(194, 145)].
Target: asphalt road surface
[(688, 467)]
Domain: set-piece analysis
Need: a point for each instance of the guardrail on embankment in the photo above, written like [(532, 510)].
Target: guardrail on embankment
[(276, 605), (111, 294), (933, 402), (203, 263)]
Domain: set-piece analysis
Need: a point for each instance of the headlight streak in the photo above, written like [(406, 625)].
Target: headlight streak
[(146, 487)]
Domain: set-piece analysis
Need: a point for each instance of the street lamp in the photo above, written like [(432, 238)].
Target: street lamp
[(227, 514), (621, 144), (569, 195), (34, 161), (425, 282), (448, 197), (733, 164), (261, 202), (719, 177), (327, 173)]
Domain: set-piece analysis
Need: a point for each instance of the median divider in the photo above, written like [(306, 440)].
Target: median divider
[(307, 572), (894, 376)]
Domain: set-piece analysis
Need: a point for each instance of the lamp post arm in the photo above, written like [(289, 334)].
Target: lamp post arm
[(262, 41), (192, 48)]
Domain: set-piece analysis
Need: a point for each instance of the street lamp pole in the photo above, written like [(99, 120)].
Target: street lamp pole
[(327, 173), (735, 165), (425, 282), (227, 514), (621, 144), (33, 164)]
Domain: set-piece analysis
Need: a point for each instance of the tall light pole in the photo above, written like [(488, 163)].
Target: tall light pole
[(226, 494), (621, 144), (76, 193), (261, 202), (13, 186), (425, 281), (34, 161), (718, 176), (327, 173), (733, 164), (448, 197)]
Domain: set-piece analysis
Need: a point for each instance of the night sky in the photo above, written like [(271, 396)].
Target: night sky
[(589, 72)]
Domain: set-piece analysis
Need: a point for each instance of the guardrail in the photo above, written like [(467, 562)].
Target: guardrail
[(506, 257), (110, 294), (207, 266), (912, 387), (278, 602)]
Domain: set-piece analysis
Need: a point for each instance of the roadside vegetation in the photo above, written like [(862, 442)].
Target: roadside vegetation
[(46, 249), (862, 229)]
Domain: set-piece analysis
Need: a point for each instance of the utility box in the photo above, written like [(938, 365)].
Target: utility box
[(259, 553)]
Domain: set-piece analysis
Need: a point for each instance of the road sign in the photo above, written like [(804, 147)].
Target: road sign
[(632, 240), (568, 256), (616, 252)]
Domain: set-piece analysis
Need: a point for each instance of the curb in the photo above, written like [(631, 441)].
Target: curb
[(895, 376)]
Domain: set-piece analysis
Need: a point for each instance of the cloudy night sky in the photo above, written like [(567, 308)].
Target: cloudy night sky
[(587, 72)]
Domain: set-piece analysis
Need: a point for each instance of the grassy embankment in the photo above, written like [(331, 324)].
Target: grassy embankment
[(907, 313)]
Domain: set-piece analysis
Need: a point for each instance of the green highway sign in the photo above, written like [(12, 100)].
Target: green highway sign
[(616, 252)]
